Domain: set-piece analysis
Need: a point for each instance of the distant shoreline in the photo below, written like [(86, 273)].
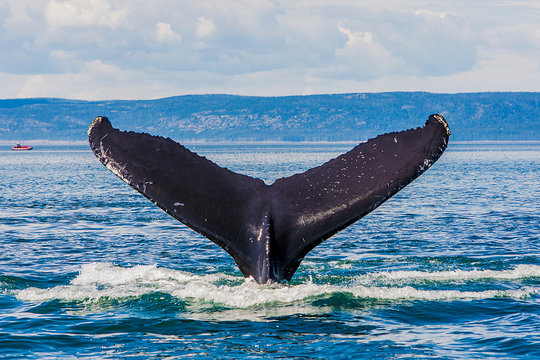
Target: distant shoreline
[(226, 119)]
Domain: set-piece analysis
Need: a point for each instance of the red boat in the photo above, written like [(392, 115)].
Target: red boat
[(20, 147)]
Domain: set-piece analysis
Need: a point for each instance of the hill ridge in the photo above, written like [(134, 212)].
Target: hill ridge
[(321, 117)]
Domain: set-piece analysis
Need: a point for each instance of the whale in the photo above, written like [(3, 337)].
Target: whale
[(268, 229)]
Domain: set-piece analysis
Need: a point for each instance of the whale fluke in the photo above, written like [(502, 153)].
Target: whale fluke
[(268, 229)]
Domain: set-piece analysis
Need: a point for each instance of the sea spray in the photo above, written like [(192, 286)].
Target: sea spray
[(104, 280)]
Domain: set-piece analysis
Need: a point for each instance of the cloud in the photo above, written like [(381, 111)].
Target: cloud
[(434, 14), (356, 37), (76, 13), (165, 33), (205, 27), (18, 10), (267, 47), (361, 57), (429, 45)]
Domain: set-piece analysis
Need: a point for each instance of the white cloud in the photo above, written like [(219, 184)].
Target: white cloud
[(33, 84), (429, 13), (74, 13), (165, 33), (72, 48), (362, 58), (19, 10), (98, 67), (205, 27), (354, 38)]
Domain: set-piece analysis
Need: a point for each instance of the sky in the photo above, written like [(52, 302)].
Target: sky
[(134, 49)]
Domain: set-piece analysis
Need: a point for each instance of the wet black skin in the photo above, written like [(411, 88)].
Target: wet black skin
[(268, 229)]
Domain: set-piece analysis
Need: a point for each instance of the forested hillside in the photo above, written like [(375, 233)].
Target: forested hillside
[(341, 117)]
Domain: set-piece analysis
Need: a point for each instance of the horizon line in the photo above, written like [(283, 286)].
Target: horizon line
[(278, 96)]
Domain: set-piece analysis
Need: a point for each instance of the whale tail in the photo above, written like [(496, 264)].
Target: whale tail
[(268, 229)]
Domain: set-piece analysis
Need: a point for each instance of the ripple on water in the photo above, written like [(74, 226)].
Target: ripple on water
[(448, 268)]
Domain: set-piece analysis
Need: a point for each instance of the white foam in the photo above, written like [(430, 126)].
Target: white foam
[(102, 280), (408, 292), (519, 272), (107, 274), (251, 294)]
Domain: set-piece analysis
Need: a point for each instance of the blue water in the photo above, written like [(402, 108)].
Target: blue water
[(448, 268)]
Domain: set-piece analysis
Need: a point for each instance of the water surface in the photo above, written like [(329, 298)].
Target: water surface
[(448, 268)]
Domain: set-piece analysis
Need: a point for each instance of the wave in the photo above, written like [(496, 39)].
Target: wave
[(98, 281), (522, 271)]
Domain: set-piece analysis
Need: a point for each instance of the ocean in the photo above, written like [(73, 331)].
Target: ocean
[(449, 268)]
